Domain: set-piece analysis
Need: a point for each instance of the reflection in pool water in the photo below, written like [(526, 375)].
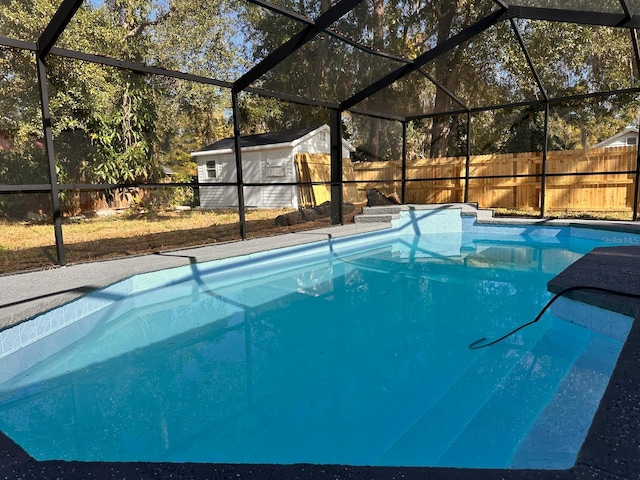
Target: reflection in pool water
[(358, 358)]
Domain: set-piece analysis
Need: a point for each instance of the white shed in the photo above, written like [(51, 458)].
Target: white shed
[(625, 138), (266, 158)]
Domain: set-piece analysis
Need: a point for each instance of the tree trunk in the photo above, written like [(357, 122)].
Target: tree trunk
[(378, 42), (445, 73)]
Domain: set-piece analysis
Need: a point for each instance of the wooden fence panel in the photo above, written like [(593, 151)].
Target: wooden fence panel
[(517, 186), (448, 187), (491, 191), (387, 176), (316, 167), (89, 201), (600, 192), (510, 188)]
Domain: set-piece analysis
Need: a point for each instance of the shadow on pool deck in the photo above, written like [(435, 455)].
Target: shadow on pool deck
[(611, 449)]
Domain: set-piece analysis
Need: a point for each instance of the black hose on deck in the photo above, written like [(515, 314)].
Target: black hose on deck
[(479, 343)]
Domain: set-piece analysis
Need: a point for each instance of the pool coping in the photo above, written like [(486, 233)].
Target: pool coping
[(610, 451), (27, 294)]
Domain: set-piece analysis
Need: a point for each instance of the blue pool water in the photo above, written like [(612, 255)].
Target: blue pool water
[(357, 356)]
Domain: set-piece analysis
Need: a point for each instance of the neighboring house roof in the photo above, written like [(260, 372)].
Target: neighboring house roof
[(167, 171), (281, 139), (618, 136)]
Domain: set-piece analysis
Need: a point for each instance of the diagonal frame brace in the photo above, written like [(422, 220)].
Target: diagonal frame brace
[(423, 59), (296, 42), (56, 26)]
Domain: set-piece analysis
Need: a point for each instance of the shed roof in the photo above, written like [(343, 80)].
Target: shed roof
[(285, 136)]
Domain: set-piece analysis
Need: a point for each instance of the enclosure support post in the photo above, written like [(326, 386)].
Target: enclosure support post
[(337, 214), (467, 165), (545, 146), (238, 152), (48, 142), (636, 181), (636, 185), (403, 191)]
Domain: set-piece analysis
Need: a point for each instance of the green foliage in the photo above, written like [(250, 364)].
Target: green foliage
[(124, 137), (110, 125), (24, 164), (189, 117), (115, 126), (172, 197)]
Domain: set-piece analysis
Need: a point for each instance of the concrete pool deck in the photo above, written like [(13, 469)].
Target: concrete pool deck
[(610, 451)]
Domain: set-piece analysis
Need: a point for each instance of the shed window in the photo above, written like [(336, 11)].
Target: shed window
[(213, 169), (631, 140), (275, 168)]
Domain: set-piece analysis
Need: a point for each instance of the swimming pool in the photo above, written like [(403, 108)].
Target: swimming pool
[(360, 385)]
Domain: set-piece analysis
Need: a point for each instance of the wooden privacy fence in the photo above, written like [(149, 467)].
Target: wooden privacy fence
[(316, 167), (94, 202), (505, 181)]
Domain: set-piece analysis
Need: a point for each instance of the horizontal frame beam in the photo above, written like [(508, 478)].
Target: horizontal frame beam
[(604, 19), (21, 44), (136, 67), (526, 103), (28, 188)]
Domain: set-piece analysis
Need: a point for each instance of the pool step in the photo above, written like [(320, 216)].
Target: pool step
[(559, 431), (516, 403), (436, 428), (438, 438), (378, 214)]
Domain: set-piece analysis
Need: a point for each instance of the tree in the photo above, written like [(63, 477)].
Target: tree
[(579, 59), (116, 126), (107, 123), (22, 159)]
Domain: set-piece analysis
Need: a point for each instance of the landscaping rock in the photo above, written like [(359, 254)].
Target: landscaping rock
[(310, 214), (375, 198)]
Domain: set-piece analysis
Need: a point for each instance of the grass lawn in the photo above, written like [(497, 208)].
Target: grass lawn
[(26, 246)]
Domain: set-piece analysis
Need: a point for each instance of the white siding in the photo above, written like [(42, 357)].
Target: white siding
[(261, 165), (624, 141), (251, 166), (220, 196), (252, 197), (319, 143), (626, 138), (276, 166), (226, 168)]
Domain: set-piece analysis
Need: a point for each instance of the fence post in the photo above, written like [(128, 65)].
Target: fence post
[(636, 182), (636, 186), (467, 164)]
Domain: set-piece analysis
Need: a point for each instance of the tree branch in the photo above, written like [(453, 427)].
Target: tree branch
[(139, 29)]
